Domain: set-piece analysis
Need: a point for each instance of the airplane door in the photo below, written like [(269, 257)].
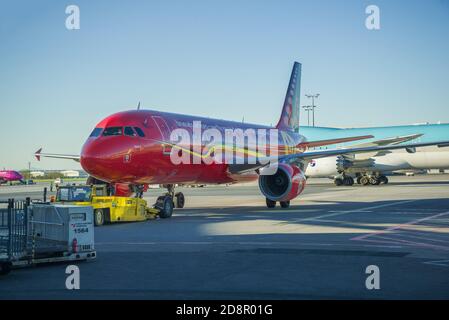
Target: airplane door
[(165, 132)]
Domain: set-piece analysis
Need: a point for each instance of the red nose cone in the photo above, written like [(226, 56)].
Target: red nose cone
[(87, 159), (103, 158), (95, 159)]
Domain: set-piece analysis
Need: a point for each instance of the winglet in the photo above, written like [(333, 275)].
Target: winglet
[(37, 154)]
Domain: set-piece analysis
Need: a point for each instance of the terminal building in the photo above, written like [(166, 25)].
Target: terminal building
[(70, 174)]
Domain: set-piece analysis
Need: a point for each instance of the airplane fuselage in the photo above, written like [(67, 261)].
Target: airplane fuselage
[(143, 155)]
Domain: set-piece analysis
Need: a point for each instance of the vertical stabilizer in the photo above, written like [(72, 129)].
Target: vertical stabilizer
[(290, 112)]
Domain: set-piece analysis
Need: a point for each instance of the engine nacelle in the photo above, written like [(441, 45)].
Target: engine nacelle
[(286, 184)]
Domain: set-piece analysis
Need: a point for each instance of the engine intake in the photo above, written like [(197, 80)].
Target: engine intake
[(286, 184)]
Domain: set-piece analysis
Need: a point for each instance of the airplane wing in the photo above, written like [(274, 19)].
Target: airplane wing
[(310, 155), (320, 143), (38, 154), (389, 141), (382, 142)]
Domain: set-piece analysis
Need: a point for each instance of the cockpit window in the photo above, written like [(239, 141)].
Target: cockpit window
[(139, 132), (113, 131), (129, 131), (96, 132)]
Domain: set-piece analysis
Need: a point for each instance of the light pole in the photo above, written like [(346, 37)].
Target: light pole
[(313, 96), (308, 109)]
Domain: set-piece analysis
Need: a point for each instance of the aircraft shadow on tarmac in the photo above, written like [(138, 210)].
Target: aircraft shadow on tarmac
[(250, 252), (406, 223)]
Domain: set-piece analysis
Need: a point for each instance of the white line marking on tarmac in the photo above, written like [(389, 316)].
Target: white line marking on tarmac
[(441, 263), (368, 209), (421, 238), (249, 243), (400, 226), (410, 243)]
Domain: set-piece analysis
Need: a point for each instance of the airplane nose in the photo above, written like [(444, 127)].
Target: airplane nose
[(103, 159), (94, 159)]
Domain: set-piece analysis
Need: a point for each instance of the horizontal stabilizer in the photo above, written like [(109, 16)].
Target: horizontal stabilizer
[(38, 154)]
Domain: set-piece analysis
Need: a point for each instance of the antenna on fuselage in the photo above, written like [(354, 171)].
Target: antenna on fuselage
[(138, 106)]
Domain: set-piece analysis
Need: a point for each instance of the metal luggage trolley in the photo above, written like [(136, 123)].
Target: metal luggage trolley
[(32, 233), (13, 233)]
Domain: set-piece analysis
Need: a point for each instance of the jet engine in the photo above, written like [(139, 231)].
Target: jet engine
[(286, 184)]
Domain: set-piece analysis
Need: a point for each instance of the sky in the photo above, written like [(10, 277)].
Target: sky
[(223, 59)]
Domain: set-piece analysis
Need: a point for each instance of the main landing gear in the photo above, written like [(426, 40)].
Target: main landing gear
[(364, 180), (373, 180), (272, 204), (167, 202), (344, 181)]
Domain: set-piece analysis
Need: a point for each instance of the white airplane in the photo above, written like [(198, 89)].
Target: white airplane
[(372, 168)]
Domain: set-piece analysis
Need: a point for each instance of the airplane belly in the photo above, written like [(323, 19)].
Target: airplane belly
[(429, 160), (391, 162), (200, 174), (324, 167)]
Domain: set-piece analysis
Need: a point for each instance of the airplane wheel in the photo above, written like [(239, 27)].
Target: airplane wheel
[(270, 203), (180, 200), (358, 180), (98, 217), (339, 182), (348, 181), (374, 181), (383, 180), (165, 206), (285, 204), (364, 180)]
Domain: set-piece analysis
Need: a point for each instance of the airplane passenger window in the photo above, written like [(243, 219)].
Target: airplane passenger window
[(130, 132), (139, 132), (96, 132), (113, 131)]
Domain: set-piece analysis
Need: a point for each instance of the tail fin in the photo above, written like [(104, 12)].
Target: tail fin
[(290, 112)]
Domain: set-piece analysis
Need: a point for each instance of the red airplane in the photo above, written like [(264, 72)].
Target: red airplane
[(129, 150)]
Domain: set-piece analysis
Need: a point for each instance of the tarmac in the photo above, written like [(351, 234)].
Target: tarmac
[(225, 244)]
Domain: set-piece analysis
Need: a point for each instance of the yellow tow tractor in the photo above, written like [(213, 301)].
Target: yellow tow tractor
[(111, 209)]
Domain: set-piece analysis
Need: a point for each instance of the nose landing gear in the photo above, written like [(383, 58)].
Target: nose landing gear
[(166, 202), (165, 206), (180, 201)]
